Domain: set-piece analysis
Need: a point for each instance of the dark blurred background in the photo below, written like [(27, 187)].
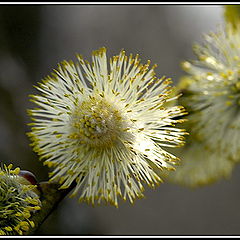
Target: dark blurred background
[(34, 38)]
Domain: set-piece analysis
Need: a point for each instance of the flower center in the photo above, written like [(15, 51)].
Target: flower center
[(96, 122)]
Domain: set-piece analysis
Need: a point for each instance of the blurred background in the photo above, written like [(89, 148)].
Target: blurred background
[(34, 38)]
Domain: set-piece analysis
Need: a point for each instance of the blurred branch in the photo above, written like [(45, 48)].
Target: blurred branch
[(51, 196)]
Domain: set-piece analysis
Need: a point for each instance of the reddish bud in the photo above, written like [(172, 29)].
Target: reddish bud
[(30, 177)]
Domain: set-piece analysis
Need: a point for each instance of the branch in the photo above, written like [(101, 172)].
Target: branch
[(51, 196)]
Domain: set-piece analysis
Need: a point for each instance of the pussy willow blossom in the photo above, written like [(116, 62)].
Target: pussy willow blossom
[(103, 125), (199, 166), (17, 203), (215, 91), (211, 95)]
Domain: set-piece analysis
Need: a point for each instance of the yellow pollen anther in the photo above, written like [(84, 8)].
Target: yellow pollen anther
[(96, 122)]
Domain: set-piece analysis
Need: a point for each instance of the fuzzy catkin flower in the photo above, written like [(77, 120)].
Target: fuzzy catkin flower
[(215, 92), (17, 203), (232, 14), (199, 166), (103, 125), (211, 95)]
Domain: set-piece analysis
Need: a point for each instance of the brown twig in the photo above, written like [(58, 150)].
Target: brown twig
[(51, 196)]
